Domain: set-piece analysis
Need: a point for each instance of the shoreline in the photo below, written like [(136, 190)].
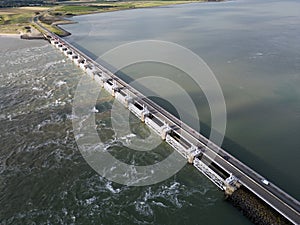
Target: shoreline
[(63, 19), (171, 3), (9, 35)]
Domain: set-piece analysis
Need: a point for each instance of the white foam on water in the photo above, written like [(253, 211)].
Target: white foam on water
[(64, 211), (37, 89), (53, 63), (111, 189), (90, 201), (58, 102), (9, 117), (71, 116), (48, 94), (160, 204), (143, 208), (78, 136), (169, 192), (127, 138), (94, 110), (60, 83), (256, 55)]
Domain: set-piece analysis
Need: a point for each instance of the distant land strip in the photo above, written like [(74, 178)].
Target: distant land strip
[(16, 15)]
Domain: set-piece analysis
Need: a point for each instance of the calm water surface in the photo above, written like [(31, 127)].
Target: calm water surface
[(252, 48)]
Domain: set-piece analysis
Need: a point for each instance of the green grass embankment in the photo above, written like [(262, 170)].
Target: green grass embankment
[(14, 20)]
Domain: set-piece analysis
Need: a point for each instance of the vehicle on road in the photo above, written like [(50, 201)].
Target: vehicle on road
[(266, 182)]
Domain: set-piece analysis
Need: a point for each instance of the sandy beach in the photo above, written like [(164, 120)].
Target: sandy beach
[(9, 35)]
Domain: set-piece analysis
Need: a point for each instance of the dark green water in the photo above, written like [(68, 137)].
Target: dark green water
[(44, 178), (252, 48)]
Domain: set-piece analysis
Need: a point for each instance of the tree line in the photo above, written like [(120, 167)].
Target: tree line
[(21, 3)]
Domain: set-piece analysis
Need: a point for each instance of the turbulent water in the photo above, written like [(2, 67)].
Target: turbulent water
[(253, 50), (44, 178)]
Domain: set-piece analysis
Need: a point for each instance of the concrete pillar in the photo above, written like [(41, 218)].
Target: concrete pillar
[(103, 79), (165, 130), (190, 159), (193, 152), (128, 100), (229, 190), (114, 88), (145, 113)]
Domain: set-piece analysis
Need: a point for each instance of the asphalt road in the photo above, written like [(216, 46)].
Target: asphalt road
[(271, 194)]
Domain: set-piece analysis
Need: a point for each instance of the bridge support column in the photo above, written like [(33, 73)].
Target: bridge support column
[(128, 100), (165, 130), (231, 184), (114, 88), (103, 79), (145, 113), (193, 152)]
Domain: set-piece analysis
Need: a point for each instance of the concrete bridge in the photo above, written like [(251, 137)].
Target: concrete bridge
[(224, 170)]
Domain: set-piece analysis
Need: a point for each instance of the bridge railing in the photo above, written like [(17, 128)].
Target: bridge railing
[(250, 173)]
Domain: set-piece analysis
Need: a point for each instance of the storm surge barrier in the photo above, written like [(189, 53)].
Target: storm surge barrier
[(224, 170)]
